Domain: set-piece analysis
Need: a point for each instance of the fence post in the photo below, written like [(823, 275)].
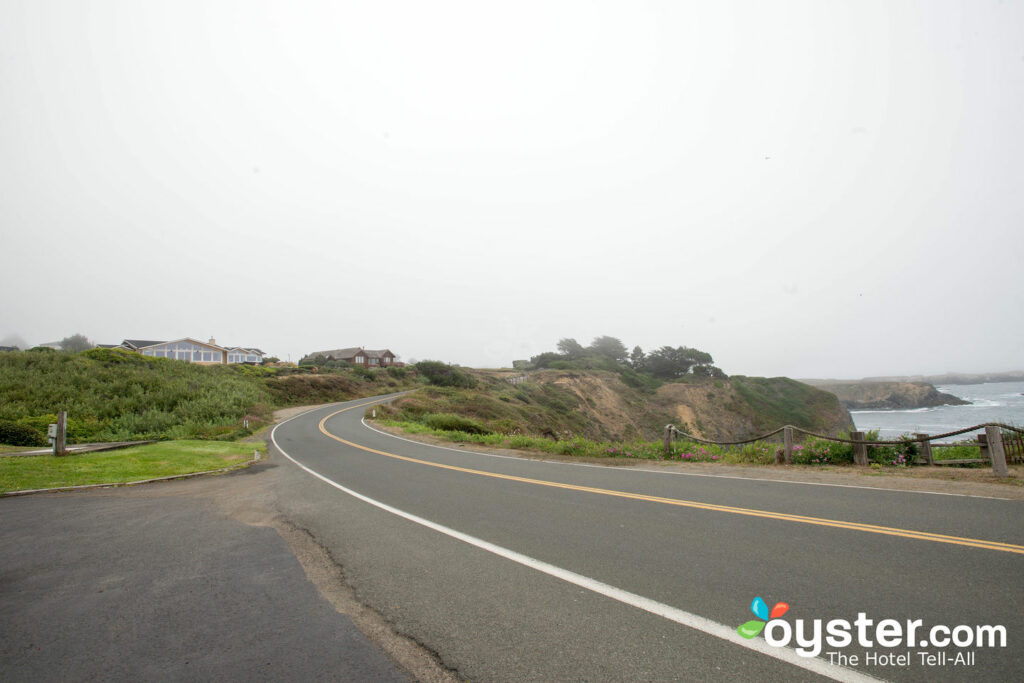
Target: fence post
[(996, 452), (983, 446), (787, 445), (860, 451), (926, 448), (667, 440), (60, 440)]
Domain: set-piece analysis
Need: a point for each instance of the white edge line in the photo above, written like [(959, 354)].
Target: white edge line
[(680, 474), (699, 623)]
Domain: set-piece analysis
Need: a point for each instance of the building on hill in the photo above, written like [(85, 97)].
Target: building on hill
[(194, 351), (358, 356)]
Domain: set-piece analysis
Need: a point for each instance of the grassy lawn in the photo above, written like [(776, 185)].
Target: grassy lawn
[(129, 464)]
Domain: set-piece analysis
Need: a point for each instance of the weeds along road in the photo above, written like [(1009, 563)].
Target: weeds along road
[(513, 569)]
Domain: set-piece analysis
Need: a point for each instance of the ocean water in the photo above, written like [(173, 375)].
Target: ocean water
[(999, 402)]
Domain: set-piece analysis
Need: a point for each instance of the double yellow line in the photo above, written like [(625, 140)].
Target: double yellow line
[(818, 521)]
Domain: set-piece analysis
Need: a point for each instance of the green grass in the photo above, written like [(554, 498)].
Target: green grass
[(961, 451), (129, 464)]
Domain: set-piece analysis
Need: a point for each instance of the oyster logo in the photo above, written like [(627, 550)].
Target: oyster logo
[(760, 609)]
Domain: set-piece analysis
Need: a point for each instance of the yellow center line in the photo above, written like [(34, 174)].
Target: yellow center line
[(750, 512)]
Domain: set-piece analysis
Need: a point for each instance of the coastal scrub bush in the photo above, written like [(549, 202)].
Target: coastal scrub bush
[(823, 452), (397, 373), (444, 375), (453, 423), (14, 434)]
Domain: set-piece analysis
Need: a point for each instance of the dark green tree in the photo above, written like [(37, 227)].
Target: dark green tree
[(571, 348), (544, 360), (75, 343), (672, 363), (609, 347), (636, 358)]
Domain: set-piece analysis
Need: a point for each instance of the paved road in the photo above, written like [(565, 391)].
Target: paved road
[(696, 549), (167, 582)]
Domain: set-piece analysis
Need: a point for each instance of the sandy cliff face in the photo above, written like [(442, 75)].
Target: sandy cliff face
[(744, 407), (727, 409), (890, 395)]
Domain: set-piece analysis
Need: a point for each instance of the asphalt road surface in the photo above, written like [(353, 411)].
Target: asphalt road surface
[(178, 581), (513, 569), (467, 566)]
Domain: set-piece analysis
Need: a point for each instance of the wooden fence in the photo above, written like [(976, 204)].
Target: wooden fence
[(999, 445)]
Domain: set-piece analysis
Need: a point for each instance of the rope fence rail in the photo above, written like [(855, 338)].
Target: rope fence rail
[(990, 443)]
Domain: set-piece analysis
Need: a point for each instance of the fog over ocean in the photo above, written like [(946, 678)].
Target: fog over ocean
[(996, 402)]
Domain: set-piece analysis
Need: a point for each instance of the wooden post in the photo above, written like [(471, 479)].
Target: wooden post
[(667, 440), (787, 445), (860, 451), (983, 446), (926, 448), (996, 452), (62, 432)]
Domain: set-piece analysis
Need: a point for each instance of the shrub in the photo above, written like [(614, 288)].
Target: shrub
[(454, 423), (443, 375), (822, 451), (397, 373), (14, 434), (366, 374)]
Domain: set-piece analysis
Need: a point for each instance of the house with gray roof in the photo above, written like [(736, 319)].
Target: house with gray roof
[(358, 356)]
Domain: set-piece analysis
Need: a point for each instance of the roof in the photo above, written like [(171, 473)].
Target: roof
[(140, 343), (353, 352), (339, 353)]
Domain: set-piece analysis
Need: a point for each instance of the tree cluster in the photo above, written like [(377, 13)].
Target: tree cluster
[(666, 362)]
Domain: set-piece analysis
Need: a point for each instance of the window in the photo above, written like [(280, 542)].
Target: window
[(359, 359)]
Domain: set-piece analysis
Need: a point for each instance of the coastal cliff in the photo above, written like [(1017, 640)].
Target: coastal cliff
[(598, 405), (861, 395)]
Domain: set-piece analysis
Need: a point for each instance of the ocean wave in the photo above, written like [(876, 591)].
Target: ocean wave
[(891, 412)]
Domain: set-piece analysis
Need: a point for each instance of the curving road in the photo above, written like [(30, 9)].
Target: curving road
[(514, 569)]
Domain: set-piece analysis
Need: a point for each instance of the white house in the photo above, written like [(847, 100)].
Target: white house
[(194, 351)]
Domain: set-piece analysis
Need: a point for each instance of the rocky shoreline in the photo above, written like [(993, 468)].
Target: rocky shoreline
[(890, 395)]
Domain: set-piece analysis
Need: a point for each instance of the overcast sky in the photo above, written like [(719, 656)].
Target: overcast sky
[(811, 189)]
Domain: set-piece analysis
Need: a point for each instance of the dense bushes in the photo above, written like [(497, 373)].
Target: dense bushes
[(14, 434), (443, 375), (454, 423), (116, 395)]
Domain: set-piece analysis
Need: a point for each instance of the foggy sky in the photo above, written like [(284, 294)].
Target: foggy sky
[(811, 189)]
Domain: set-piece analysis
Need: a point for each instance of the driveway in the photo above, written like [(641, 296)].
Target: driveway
[(186, 580)]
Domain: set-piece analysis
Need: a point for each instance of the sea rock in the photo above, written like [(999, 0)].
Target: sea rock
[(861, 395)]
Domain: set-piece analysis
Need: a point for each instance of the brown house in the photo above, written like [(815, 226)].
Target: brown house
[(358, 356)]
